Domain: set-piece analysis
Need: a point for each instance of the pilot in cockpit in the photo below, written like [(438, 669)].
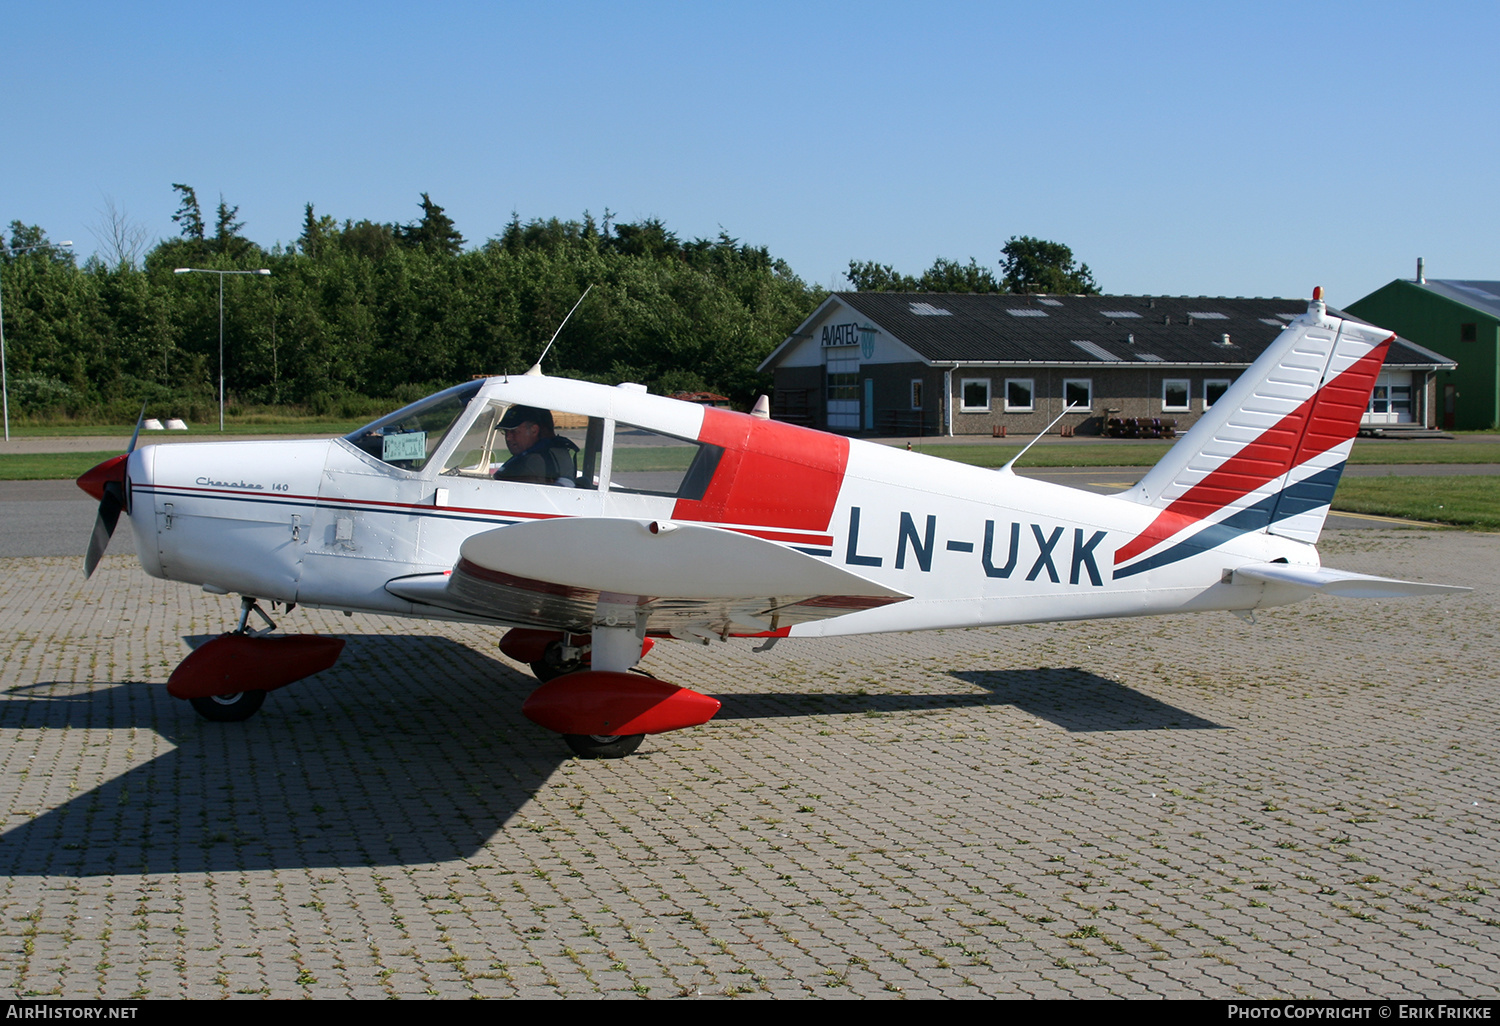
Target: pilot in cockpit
[(538, 454)]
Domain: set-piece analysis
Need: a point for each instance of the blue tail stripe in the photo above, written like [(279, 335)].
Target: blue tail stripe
[(1300, 497), (1309, 494)]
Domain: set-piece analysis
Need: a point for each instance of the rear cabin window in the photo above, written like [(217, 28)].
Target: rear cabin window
[(647, 462)]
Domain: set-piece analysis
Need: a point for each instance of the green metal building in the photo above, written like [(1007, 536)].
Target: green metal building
[(1459, 319)]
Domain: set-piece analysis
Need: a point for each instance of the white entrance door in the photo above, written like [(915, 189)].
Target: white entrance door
[(1390, 403)]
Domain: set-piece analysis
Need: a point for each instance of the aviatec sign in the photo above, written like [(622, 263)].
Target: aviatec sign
[(841, 334), (850, 335)]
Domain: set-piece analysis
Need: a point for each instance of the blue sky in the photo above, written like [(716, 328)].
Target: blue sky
[(1220, 149)]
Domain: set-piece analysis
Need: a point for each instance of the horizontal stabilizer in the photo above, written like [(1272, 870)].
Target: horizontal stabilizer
[(1341, 583), (683, 577)]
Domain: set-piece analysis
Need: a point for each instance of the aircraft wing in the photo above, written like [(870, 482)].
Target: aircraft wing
[(685, 579), (1342, 583)]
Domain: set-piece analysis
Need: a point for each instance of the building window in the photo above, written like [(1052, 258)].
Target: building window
[(1078, 393), (1468, 332), (1213, 391), (916, 393), (974, 394), (1174, 395), (1018, 393)]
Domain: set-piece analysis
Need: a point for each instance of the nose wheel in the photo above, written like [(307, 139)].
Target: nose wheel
[(227, 678), (229, 708), (603, 746)]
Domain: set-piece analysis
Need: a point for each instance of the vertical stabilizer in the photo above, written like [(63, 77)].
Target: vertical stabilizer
[(1268, 455)]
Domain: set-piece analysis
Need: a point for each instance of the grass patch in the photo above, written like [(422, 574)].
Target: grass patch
[(50, 466), (1462, 501), (1085, 454), (1393, 453), (253, 424)]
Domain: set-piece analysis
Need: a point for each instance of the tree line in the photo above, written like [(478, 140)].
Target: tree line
[(356, 314), (357, 309), (1027, 266)]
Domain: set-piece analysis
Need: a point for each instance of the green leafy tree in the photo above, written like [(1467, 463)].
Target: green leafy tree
[(943, 276), (951, 276), (367, 239), (649, 239), (30, 241), (227, 238), (1035, 265), (434, 233), (189, 216), (872, 277), (316, 232)]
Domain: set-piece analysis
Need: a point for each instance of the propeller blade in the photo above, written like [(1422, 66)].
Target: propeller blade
[(138, 422), (106, 482), (104, 526)]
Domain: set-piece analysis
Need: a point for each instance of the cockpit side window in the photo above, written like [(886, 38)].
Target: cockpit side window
[(408, 438), (528, 445)]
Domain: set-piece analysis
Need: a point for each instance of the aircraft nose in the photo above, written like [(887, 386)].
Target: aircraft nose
[(94, 480)]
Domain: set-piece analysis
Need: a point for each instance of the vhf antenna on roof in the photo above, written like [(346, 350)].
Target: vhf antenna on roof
[(536, 368)]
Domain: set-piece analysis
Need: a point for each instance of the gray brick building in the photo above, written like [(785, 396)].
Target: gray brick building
[(959, 364)]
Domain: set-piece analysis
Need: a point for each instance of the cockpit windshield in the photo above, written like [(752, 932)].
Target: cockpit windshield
[(408, 438)]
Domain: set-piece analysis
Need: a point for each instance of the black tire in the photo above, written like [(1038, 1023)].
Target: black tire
[(593, 746), (552, 664), (229, 708)]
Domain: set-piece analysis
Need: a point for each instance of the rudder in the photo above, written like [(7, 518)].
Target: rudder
[(1269, 454)]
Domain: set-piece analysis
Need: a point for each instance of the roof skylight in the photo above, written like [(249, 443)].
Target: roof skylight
[(1095, 350)]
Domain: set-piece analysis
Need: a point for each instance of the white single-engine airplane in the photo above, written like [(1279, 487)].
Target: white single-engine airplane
[(672, 520)]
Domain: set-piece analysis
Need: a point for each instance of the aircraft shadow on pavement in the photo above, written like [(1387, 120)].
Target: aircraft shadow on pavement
[(412, 749), (1074, 699), (1078, 700), (370, 763)]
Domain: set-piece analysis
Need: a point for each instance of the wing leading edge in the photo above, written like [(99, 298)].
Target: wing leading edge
[(682, 578)]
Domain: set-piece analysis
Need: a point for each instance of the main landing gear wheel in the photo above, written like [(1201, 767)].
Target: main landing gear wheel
[(230, 708), (553, 665), (598, 746)]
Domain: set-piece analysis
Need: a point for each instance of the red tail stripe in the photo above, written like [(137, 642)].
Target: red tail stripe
[(1328, 418)]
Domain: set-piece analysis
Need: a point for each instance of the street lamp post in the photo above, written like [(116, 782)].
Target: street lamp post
[(5, 381), (206, 270)]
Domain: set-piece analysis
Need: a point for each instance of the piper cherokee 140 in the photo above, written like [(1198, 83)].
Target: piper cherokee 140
[(662, 519)]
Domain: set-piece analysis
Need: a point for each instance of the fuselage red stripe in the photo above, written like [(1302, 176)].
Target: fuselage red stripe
[(773, 474)]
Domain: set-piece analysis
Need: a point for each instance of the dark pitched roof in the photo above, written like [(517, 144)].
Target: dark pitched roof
[(1103, 330)]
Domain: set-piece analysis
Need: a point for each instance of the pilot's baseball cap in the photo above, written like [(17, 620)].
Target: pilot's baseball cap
[(518, 415)]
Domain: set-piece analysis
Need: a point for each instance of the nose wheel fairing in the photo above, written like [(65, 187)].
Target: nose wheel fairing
[(237, 663)]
